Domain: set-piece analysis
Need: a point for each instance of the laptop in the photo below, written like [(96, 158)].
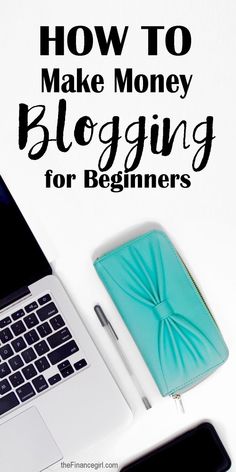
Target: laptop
[(57, 395)]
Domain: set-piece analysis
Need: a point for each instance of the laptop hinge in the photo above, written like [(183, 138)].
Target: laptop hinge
[(14, 297)]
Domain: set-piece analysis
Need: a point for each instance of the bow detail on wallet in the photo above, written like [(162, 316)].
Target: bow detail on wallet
[(163, 310)]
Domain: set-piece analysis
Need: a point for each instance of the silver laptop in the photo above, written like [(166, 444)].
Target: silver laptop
[(56, 394)]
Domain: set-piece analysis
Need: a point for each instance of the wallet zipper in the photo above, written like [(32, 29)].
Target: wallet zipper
[(197, 288), (176, 396)]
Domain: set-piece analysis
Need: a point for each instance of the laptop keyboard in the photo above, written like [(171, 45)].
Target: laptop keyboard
[(37, 351)]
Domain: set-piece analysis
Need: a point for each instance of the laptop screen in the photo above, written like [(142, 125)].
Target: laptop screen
[(22, 261)]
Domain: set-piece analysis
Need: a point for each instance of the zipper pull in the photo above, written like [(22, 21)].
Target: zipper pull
[(178, 402)]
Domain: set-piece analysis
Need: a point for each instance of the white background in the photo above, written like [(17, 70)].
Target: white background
[(72, 224)]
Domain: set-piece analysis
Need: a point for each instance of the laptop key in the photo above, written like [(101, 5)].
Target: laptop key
[(16, 362), (29, 371), (80, 364), (57, 322), (54, 379), (41, 348), (8, 402), (63, 365), (59, 337), (4, 387), (25, 392), (18, 314), (62, 352), (29, 355), (31, 337), (32, 306), (66, 372), (42, 364), (40, 383), (66, 369), (6, 351), (18, 344), (18, 328), (6, 321), (4, 370), (45, 299), (16, 379), (31, 320), (44, 330), (6, 335), (47, 311)]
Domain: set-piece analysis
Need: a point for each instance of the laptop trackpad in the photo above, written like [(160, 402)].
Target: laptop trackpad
[(26, 445)]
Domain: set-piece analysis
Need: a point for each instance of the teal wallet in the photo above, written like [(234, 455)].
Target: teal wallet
[(164, 311)]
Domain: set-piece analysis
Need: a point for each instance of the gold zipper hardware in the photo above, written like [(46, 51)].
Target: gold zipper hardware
[(197, 288)]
